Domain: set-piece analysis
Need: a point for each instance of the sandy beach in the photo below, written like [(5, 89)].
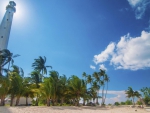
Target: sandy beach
[(71, 109)]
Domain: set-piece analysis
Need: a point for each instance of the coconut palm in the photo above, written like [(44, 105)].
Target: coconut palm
[(102, 82), (63, 88), (16, 81), (35, 78), (54, 79), (6, 57), (76, 87), (4, 88), (107, 79), (39, 65), (96, 87), (132, 94), (46, 90), (27, 92)]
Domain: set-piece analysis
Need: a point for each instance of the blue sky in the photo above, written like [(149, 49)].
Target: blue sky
[(79, 36)]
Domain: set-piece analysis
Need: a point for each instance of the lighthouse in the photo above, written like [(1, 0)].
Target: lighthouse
[(5, 25)]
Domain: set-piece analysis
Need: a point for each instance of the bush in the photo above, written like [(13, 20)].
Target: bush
[(116, 104)]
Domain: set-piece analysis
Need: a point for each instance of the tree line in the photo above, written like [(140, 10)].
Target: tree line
[(49, 90)]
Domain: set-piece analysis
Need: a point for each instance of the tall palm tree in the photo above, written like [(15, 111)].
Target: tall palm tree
[(97, 83), (107, 79), (102, 74), (96, 87), (39, 65)]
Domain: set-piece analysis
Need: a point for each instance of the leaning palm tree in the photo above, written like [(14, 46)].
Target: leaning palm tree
[(6, 57), (39, 65)]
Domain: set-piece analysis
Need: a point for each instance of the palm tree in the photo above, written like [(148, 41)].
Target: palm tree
[(102, 82), (16, 81), (39, 65), (54, 79), (4, 88), (5, 58), (97, 83), (76, 88), (63, 88), (132, 94), (27, 92), (96, 87), (46, 90), (89, 79), (35, 76), (107, 79)]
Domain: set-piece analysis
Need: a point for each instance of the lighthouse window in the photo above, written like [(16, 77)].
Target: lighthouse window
[(4, 27), (7, 19), (1, 36)]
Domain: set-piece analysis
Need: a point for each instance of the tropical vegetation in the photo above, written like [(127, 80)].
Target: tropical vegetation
[(52, 89)]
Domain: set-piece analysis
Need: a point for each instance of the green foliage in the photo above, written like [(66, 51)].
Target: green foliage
[(139, 103), (146, 95), (116, 103), (128, 102), (122, 103)]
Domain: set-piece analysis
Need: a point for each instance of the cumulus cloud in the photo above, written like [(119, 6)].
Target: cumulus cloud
[(129, 53), (139, 7), (102, 66), (92, 67), (104, 56)]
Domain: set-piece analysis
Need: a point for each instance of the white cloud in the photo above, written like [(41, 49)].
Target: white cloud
[(139, 6), (104, 56), (119, 96), (92, 67), (133, 3), (102, 66), (129, 53)]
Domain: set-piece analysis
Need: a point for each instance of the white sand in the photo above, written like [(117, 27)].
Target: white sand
[(71, 109)]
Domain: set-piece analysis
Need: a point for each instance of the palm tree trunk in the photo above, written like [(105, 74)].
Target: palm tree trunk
[(133, 101), (83, 102), (62, 101), (48, 102), (26, 100), (106, 92), (103, 95), (36, 103), (12, 99), (2, 101), (17, 100)]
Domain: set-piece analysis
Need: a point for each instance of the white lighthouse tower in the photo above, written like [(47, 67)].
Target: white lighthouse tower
[(5, 25)]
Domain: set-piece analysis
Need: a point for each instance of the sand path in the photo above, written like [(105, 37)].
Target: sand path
[(33, 109)]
